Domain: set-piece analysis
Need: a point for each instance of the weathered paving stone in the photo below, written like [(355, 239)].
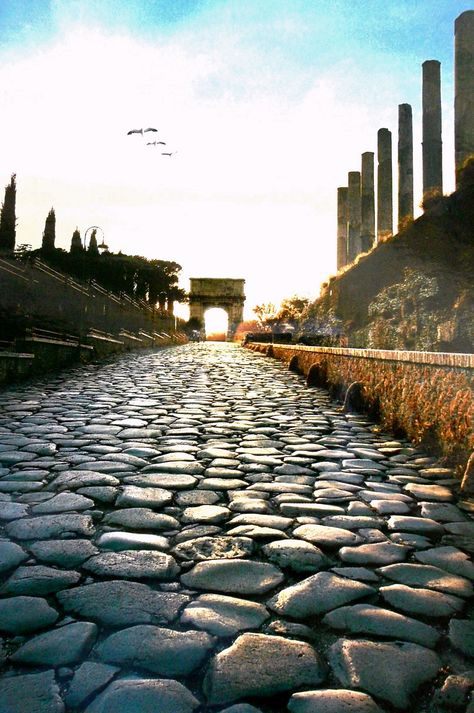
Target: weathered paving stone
[(378, 553), (210, 514), (423, 575), (63, 502), (176, 467), (314, 509), (208, 548), (39, 689), (45, 527), (430, 492), (239, 576), (60, 647), (390, 671), (11, 555), (173, 481), (222, 483), (73, 479), (274, 521), (444, 512), (141, 519), (461, 635), (329, 537), (295, 555), (224, 616), (369, 619), (448, 558), (118, 541), (421, 601), (132, 564), (317, 594), (12, 511), (39, 579), (135, 496), (144, 694), (362, 574), (122, 603), (419, 525), (88, 679), (162, 651), (352, 522), (332, 701), (63, 553), (278, 665), (19, 615)]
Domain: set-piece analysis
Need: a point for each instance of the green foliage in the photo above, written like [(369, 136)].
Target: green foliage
[(8, 217)]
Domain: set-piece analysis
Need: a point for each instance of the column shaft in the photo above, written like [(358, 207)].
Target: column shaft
[(367, 201), (353, 216), (341, 227), (405, 164), (463, 89), (432, 144), (384, 184)]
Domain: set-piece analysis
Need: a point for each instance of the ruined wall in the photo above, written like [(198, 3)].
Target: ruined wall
[(414, 291), (427, 396)]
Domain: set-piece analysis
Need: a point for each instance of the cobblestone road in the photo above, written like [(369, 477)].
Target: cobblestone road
[(195, 530)]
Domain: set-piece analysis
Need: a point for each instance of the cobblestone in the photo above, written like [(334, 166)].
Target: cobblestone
[(195, 530)]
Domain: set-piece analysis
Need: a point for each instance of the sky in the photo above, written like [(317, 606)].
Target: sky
[(265, 104)]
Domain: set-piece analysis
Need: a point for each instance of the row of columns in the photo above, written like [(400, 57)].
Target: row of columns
[(358, 225)]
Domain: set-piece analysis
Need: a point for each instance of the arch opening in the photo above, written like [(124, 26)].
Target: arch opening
[(216, 324)]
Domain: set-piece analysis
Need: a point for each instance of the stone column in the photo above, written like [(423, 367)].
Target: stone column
[(384, 184), (367, 201), (432, 144), (353, 216), (341, 227), (463, 89), (405, 164)]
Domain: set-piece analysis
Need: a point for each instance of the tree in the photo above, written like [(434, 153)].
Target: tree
[(8, 217), (76, 243), (93, 248), (49, 234), (292, 310), (266, 315)]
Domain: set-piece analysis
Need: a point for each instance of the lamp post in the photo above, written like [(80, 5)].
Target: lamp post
[(102, 246)]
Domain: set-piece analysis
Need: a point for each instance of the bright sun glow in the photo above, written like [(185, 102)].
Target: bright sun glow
[(266, 126), (216, 321)]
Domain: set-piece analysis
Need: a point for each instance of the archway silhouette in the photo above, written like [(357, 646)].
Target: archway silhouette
[(224, 293)]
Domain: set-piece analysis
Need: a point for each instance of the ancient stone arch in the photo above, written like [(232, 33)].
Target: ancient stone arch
[(224, 293)]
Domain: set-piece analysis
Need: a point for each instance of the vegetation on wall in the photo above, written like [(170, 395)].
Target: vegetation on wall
[(433, 406)]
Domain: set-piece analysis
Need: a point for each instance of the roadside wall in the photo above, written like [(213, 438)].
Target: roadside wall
[(426, 395)]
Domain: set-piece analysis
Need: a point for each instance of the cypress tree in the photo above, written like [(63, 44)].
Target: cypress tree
[(49, 235), (76, 243), (8, 218)]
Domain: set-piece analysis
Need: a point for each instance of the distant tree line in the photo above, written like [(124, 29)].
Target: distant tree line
[(154, 281)]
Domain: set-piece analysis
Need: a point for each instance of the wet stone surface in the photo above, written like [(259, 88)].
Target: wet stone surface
[(193, 530)]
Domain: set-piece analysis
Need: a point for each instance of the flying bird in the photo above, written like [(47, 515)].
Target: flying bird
[(140, 131), (155, 143), (168, 153)]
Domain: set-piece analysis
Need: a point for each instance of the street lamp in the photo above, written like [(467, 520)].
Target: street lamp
[(102, 246)]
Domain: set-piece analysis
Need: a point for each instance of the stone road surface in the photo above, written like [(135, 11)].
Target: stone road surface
[(194, 530)]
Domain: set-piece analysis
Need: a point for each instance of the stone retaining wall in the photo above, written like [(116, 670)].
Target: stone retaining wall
[(426, 395)]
